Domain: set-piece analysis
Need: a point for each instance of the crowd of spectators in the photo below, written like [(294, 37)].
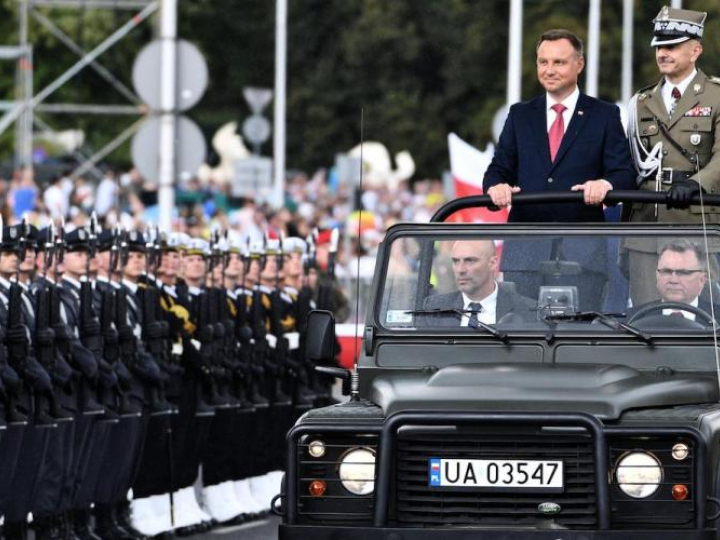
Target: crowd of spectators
[(318, 201)]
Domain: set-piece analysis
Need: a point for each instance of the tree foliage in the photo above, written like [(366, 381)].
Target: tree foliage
[(417, 69)]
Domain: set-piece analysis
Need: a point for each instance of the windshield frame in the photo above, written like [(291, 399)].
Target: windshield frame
[(450, 231)]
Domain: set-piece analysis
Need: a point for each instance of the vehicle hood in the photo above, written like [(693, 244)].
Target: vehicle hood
[(605, 391)]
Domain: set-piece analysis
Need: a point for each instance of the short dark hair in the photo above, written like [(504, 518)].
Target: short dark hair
[(559, 33), (681, 246)]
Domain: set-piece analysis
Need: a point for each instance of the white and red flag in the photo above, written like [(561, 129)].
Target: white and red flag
[(468, 165)]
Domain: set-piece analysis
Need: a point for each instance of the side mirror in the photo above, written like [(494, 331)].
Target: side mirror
[(320, 336), (320, 346)]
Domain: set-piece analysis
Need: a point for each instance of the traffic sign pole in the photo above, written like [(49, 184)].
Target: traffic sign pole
[(168, 93), (280, 86)]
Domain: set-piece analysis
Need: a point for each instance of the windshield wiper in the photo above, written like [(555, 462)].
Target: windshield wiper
[(605, 318), (460, 312)]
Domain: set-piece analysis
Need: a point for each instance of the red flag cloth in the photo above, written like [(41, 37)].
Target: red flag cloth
[(468, 165)]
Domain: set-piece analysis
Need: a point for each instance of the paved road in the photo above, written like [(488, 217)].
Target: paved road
[(265, 529)]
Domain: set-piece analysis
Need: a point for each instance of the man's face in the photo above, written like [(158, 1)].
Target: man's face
[(28, 265), (474, 263), (75, 262), (8, 263), (558, 67), (194, 267), (169, 264), (677, 61), (234, 266), (135, 265), (678, 288), (103, 262)]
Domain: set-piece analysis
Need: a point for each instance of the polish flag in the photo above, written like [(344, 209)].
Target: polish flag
[(468, 165)]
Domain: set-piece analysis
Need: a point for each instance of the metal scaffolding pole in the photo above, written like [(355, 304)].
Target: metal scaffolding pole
[(278, 193), (12, 115), (593, 52), (24, 91)]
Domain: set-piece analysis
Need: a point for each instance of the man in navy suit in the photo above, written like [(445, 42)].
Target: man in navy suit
[(559, 141)]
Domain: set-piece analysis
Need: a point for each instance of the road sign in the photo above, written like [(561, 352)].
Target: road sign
[(252, 178), (190, 148), (257, 98), (192, 75), (256, 129)]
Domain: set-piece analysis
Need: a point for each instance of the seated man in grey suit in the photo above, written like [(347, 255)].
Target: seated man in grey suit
[(474, 264)]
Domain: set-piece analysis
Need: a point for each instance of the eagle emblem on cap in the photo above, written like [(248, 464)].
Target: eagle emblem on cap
[(133, 236), (82, 235), (664, 14), (13, 233)]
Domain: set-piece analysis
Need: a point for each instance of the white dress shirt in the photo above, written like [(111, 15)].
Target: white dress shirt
[(489, 308), (666, 90), (570, 102), (685, 314)]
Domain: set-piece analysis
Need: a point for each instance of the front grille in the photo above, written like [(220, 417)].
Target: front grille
[(416, 504)]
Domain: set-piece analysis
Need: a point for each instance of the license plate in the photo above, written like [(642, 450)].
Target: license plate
[(496, 474)]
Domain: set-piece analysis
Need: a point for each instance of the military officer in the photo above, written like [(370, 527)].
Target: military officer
[(673, 127)]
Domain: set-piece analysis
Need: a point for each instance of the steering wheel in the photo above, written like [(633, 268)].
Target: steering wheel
[(658, 307)]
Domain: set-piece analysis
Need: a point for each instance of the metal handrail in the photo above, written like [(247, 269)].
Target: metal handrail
[(522, 199)]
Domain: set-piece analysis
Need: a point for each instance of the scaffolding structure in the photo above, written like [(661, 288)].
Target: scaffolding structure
[(26, 109)]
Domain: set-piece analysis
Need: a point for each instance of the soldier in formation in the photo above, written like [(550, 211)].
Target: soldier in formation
[(133, 364)]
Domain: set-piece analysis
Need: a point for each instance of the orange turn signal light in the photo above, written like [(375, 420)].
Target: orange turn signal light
[(680, 492), (318, 488)]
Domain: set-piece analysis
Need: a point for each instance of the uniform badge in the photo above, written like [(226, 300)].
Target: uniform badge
[(82, 235), (664, 14), (580, 113), (652, 130), (697, 87), (13, 233), (695, 139), (699, 112), (133, 236)]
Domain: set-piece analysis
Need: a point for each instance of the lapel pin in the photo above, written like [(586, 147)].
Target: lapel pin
[(696, 87), (580, 113)]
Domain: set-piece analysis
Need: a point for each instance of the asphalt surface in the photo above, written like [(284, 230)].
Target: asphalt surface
[(265, 529)]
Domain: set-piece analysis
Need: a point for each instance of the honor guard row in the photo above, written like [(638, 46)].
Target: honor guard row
[(131, 363)]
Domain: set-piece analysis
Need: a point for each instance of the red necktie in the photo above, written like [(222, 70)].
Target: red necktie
[(557, 130), (674, 98)]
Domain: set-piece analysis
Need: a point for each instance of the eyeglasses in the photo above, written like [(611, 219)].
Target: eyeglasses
[(667, 272)]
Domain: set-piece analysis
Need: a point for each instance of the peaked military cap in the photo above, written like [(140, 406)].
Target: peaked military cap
[(11, 237), (31, 236), (43, 237), (105, 239), (198, 246), (77, 240), (677, 25), (295, 245), (136, 241)]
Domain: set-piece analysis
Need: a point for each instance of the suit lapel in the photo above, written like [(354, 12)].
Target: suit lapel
[(582, 110), (539, 125), (503, 304)]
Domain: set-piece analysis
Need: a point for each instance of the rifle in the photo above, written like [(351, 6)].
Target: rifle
[(279, 362)]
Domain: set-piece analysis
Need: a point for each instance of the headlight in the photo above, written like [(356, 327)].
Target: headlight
[(357, 471), (639, 474)]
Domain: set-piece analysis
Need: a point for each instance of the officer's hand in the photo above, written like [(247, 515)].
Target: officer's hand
[(594, 191), (501, 194), (681, 193)]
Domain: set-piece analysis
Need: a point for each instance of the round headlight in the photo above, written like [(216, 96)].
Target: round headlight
[(357, 471), (316, 449), (639, 474)]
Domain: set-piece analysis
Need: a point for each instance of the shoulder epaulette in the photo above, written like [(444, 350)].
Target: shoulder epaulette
[(714, 79)]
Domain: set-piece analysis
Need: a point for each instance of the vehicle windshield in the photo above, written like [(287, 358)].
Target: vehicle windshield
[(500, 284)]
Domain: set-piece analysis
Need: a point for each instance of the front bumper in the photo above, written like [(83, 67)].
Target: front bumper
[(303, 532)]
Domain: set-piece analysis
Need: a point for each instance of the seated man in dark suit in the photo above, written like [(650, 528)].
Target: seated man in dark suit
[(474, 264), (681, 278)]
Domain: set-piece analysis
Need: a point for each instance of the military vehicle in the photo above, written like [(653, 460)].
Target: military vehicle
[(557, 411)]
